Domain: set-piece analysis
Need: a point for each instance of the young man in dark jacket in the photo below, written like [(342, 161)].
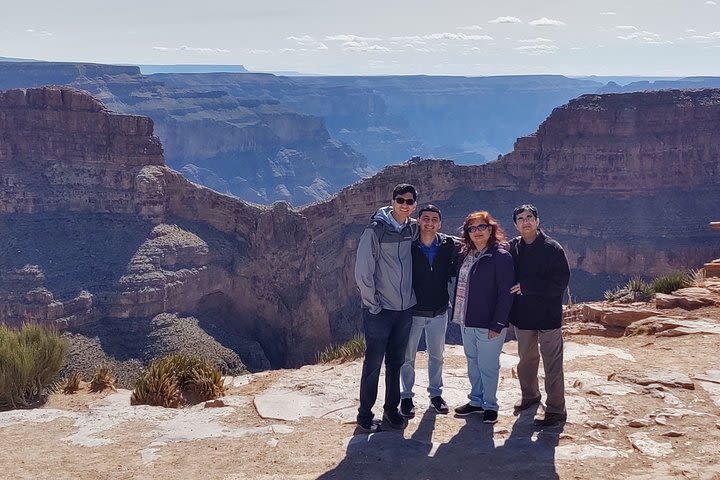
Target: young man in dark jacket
[(433, 257), (542, 274), (383, 273)]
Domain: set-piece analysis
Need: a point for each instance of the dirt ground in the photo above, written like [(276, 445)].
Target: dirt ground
[(96, 435)]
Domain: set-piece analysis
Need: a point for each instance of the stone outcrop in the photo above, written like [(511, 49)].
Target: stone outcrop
[(95, 226), (104, 224)]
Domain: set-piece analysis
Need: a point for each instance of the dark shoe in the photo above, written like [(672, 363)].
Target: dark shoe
[(395, 420), (439, 404), (550, 419), (407, 408), (490, 416), (524, 404), (468, 409), (368, 426)]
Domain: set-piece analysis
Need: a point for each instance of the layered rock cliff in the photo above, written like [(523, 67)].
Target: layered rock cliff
[(95, 227)]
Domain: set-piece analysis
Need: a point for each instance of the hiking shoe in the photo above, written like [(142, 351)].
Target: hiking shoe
[(395, 420), (368, 426), (550, 419), (407, 408), (468, 409), (524, 404), (490, 416), (439, 404)]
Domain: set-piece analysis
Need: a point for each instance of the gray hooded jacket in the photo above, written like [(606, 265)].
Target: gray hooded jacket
[(383, 265)]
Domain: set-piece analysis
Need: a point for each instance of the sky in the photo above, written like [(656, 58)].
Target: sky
[(376, 37)]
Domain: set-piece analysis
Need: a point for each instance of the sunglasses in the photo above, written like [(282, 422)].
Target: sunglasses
[(401, 200), (477, 228)]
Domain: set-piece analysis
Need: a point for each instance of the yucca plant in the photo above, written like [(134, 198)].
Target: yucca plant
[(636, 290), (348, 351), (71, 384), (177, 379), (102, 380), (670, 282), (29, 359)]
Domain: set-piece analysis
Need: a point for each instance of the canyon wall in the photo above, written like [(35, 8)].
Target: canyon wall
[(94, 226)]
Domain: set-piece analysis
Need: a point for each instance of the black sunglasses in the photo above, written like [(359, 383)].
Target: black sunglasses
[(477, 228), (402, 200)]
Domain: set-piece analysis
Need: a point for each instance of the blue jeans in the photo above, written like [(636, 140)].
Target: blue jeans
[(483, 359), (434, 328), (386, 335)]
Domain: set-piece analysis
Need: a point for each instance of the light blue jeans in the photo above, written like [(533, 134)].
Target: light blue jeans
[(483, 359), (434, 328)]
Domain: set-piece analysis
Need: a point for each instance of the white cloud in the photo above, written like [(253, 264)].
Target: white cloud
[(690, 30), (710, 2), (536, 40), (352, 38), (505, 20), (185, 48), (440, 36), (536, 49), (577, 48), (470, 27), (41, 33), (256, 51), (308, 42), (651, 38), (546, 22), (627, 27), (363, 47), (607, 13)]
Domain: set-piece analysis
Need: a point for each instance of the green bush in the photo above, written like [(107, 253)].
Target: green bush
[(350, 350), (670, 282), (636, 290), (176, 380), (29, 359)]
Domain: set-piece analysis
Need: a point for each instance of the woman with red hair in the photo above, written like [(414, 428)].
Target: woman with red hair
[(482, 307)]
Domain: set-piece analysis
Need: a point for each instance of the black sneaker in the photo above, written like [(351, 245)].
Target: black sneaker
[(439, 404), (550, 419), (395, 420), (407, 408), (368, 426), (468, 409), (490, 416)]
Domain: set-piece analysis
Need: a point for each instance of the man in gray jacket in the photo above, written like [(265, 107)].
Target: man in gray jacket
[(383, 273)]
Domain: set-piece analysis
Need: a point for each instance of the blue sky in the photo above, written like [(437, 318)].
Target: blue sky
[(453, 37)]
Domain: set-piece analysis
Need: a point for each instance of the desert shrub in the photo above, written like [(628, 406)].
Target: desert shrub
[(102, 380), (670, 282), (636, 290), (71, 384), (178, 379), (698, 278), (350, 350), (29, 359)]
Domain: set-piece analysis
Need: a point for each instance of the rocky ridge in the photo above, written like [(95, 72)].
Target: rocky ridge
[(90, 233)]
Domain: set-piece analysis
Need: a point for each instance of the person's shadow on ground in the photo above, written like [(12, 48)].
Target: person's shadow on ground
[(470, 454)]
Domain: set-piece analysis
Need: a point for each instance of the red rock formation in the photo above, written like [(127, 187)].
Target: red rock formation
[(67, 166), (94, 208)]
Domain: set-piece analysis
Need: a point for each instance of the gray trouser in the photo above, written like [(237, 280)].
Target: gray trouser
[(551, 349)]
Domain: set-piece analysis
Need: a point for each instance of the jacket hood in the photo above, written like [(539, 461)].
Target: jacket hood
[(384, 214)]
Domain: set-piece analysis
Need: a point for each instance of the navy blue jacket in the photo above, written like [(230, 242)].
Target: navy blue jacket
[(543, 273), (489, 299)]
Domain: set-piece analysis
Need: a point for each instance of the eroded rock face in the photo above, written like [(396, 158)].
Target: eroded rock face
[(96, 211), (93, 226)]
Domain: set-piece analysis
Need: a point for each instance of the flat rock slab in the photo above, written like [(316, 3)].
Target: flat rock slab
[(612, 315), (668, 379), (666, 326), (642, 442), (576, 350), (710, 382)]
